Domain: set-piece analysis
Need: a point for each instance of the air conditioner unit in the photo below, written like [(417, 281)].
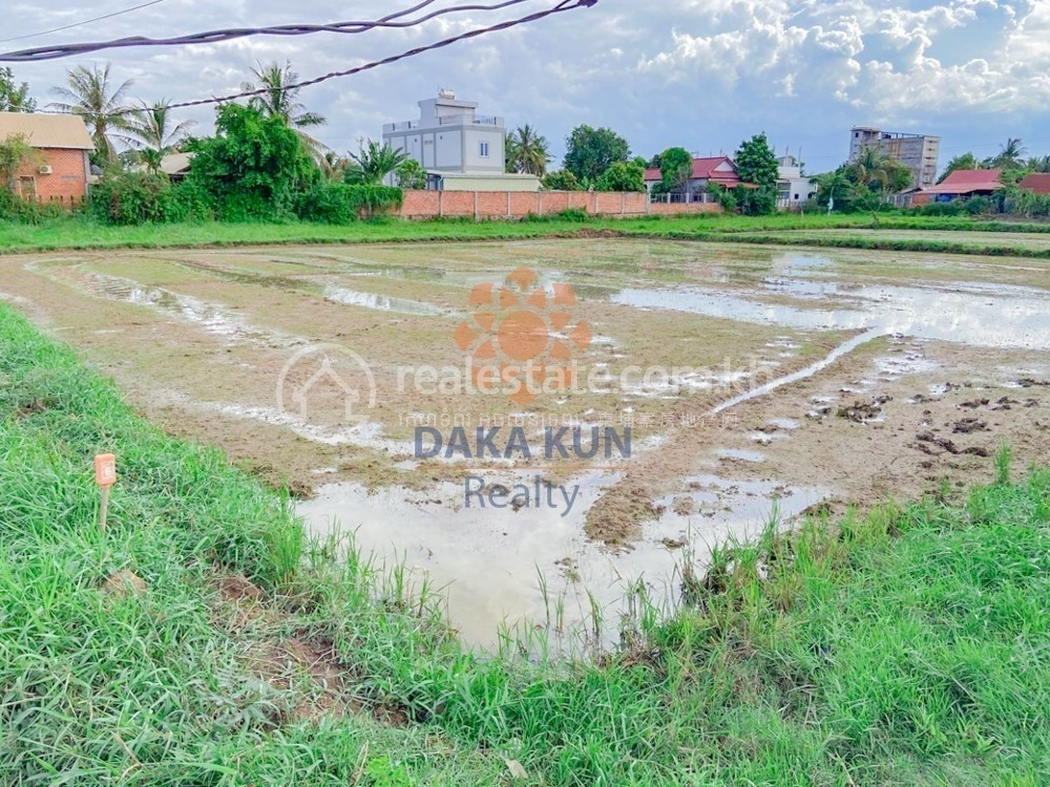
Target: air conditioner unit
[(45, 170)]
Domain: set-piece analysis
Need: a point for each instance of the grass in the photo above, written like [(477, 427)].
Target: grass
[(907, 646), (76, 232)]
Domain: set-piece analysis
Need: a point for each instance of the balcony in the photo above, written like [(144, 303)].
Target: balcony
[(470, 120), (407, 125)]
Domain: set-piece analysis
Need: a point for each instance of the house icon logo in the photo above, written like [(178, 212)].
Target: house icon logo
[(312, 371)]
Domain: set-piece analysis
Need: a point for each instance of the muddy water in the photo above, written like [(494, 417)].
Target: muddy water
[(490, 561), (718, 450)]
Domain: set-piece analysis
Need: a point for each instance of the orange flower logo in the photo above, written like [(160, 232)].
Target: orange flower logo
[(521, 338)]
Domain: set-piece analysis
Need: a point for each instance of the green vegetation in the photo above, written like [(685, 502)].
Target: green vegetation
[(622, 176), (48, 230), (904, 647), (591, 151), (14, 96), (676, 167), (527, 152), (757, 163)]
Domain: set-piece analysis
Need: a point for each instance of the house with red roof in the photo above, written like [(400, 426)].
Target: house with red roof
[(1038, 182), (962, 184), (719, 170)]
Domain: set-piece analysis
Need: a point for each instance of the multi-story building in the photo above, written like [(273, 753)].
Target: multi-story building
[(918, 152), (793, 188), (451, 137)]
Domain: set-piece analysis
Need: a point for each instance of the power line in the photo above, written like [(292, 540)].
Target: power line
[(564, 5), (216, 36), (80, 24)]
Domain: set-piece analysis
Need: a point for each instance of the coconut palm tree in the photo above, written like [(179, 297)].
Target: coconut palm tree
[(527, 152), (281, 101), (1010, 154), (1038, 164), (92, 95), (156, 131), (373, 162)]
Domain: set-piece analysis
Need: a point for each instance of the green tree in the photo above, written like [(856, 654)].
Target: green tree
[(591, 151), (92, 95), (622, 176), (282, 101), (254, 167), (962, 161), (1038, 164), (561, 180), (410, 175), (373, 162), (757, 163), (1010, 155), (527, 152), (14, 97), (156, 131), (676, 167), (15, 153)]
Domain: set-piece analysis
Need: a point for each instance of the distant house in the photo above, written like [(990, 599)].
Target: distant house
[(459, 149), (962, 183), (793, 188), (719, 170), (1036, 182), (175, 165), (61, 171)]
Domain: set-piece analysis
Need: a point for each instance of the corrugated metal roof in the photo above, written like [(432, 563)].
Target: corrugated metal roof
[(1038, 182), (967, 181), (47, 131)]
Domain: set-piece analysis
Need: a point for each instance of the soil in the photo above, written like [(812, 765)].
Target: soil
[(199, 340)]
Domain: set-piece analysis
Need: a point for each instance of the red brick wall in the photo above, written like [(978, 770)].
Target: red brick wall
[(518, 205), (67, 183)]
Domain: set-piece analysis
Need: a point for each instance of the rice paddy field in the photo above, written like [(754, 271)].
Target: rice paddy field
[(780, 518)]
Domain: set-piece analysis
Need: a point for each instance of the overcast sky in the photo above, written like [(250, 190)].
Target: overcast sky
[(702, 74)]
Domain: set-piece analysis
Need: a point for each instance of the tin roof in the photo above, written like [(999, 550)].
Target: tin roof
[(47, 131)]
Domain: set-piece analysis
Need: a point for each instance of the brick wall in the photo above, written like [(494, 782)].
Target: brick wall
[(518, 205), (67, 184)]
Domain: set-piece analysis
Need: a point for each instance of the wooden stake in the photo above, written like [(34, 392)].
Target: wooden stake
[(105, 509), (105, 477)]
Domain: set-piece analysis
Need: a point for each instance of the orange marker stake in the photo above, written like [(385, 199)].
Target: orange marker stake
[(105, 477)]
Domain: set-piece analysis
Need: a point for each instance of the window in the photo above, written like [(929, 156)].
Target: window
[(484, 149)]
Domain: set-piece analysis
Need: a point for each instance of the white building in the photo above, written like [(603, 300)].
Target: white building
[(452, 139), (793, 188)]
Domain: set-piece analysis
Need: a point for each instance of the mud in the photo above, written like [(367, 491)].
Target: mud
[(792, 379)]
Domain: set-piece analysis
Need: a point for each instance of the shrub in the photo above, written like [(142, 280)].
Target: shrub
[(130, 198), (16, 209), (339, 203)]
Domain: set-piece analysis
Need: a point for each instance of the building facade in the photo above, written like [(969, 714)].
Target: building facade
[(918, 152), (60, 169), (793, 188), (451, 137)]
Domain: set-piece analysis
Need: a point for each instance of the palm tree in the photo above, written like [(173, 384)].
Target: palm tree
[(1010, 154), (1038, 164), (91, 94), (281, 101), (527, 152), (373, 162), (154, 128)]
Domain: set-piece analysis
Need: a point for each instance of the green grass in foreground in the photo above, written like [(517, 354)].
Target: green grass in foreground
[(906, 647), (76, 232)]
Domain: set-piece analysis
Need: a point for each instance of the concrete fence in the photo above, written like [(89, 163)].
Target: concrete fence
[(518, 205)]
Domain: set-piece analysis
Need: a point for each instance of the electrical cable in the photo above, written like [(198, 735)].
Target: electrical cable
[(81, 24), (217, 36), (564, 5)]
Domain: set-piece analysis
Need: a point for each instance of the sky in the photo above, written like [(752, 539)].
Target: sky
[(700, 74)]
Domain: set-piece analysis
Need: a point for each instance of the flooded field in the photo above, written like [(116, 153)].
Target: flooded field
[(705, 390)]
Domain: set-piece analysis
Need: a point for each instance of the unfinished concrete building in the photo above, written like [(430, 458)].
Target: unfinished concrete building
[(918, 152)]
